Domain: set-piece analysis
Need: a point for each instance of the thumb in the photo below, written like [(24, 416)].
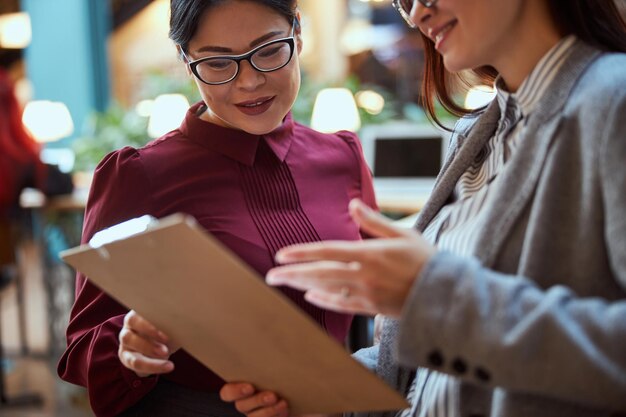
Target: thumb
[(373, 223)]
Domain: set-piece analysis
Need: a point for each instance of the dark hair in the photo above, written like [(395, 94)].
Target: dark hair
[(185, 16), (597, 22)]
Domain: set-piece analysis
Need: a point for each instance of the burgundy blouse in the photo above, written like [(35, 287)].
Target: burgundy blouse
[(256, 194)]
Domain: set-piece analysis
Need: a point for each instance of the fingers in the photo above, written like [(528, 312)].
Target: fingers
[(253, 404), (138, 324), (143, 347), (373, 223), (263, 404), (341, 251), (335, 286), (330, 275), (144, 365), (130, 340), (235, 391), (370, 222), (336, 301)]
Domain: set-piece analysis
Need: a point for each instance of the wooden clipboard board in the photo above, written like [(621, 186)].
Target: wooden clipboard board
[(220, 310)]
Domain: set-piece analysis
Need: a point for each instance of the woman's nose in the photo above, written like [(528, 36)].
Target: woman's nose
[(248, 77), (420, 14)]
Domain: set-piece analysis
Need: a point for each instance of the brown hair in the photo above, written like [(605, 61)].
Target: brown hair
[(597, 22)]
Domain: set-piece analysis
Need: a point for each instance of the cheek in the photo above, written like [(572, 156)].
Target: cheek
[(212, 95), (291, 82)]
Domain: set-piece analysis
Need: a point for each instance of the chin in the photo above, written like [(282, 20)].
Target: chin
[(460, 62), (453, 65), (260, 128)]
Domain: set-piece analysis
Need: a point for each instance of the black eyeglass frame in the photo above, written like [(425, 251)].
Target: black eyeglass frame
[(406, 15), (290, 40)]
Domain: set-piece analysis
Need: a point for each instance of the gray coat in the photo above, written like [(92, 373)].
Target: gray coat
[(535, 324)]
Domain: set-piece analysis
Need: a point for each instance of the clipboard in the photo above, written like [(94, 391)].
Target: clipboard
[(220, 310)]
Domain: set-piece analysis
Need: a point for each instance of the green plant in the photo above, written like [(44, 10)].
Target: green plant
[(106, 132), (119, 126)]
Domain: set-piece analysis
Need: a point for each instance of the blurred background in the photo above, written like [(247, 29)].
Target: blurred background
[(95, 75)]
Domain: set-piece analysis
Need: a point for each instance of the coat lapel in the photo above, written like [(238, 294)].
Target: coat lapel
[(513, 191), (463, 152)]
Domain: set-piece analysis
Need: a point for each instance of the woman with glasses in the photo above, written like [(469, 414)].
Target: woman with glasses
[(251, 175), (509, 298)]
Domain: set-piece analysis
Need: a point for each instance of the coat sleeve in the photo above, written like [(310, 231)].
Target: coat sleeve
[(613, 173), (503, 331), (120, 191), (499, 330)]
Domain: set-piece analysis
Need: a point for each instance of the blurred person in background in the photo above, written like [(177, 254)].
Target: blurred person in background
[(20, 167)]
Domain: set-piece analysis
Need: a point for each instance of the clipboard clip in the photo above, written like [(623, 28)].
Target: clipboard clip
[(120, 231)]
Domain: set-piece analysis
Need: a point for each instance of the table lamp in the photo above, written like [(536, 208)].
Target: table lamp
[(335, 109), (168, 111)]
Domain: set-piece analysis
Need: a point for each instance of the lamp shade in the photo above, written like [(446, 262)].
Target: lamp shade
[(335, 109), (168, 111), (15, 30), (47, 120)]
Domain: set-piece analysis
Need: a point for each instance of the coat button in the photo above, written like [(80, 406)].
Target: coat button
[(435, 358), (136, 383), (482, 374), (459, 366)]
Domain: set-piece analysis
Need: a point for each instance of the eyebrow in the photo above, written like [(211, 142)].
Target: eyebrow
[(254, 43)]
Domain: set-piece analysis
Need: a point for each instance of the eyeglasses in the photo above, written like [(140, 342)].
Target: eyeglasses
[(270, 56), (404, 7)]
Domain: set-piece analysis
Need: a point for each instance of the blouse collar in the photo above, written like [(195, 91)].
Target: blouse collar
[(537, 82), (236, 144)]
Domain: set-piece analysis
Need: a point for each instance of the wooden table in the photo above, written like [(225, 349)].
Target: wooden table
[(32, 199)]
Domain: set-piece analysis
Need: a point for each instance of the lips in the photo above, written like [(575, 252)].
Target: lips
[(438, 34), (255, 106)]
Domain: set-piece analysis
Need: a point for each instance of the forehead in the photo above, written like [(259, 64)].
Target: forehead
[(234, 24)]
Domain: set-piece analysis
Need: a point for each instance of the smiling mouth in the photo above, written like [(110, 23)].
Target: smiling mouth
[(440, 35), (257, 106), (256, 103)]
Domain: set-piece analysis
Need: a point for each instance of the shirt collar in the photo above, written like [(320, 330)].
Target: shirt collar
[(537, 82), (236, 144)]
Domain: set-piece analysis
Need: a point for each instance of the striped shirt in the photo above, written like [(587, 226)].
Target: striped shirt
[(456, 225)]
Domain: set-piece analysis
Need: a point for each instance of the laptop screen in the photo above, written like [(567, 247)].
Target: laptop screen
[(407, 157)]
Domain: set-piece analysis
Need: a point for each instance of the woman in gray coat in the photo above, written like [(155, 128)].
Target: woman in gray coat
[(509, 297)]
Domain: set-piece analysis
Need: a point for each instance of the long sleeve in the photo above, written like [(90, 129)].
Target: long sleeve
[(613, 174), (504, 331), (120, 191)]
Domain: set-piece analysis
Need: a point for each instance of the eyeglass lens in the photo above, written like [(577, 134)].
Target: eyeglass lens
[(407, 5), (267, 58)]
